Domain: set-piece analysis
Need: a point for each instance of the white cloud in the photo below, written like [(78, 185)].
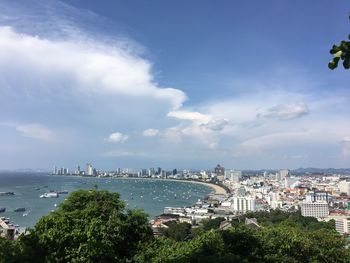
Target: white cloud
[(285, 112), (36, 131), (216, 124), (274, 139), (189, 115), (150, 132), (89, 68), (117, 137), (87, 87)]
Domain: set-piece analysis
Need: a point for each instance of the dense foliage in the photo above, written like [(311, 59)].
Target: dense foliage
[(178, 231), (95, 226), (340, 52), (241, 244), (90, 226), (292, 219)]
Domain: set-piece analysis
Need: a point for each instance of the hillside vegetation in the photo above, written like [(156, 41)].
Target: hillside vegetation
[(95, 226)]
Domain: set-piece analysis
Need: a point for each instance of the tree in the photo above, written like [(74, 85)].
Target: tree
[(208, 247), (243, 242), (329, 246), (178, 231), (208, 224), (340, 52), (90, 226), (8, 251), (290, 244)]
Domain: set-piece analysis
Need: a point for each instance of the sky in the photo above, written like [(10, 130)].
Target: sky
[(176, 84)]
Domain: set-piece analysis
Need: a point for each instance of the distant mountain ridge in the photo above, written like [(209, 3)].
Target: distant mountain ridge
[(322, 170)]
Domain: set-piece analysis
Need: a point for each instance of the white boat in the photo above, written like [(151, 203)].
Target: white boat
[(49, 195)]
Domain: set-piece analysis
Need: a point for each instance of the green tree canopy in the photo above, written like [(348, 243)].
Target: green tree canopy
[(178, 231), (95, 226), (208, 224), (90, 226), (340, 52)]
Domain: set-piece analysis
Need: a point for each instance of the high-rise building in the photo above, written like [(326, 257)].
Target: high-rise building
[(89, 170), (233, 176), (290, 182), (242, 204), (318, 196), (283, 174), (219, 170), (317, 209), (150, 171), (344, 187), (163, 174), (143, 173), (342, 225)]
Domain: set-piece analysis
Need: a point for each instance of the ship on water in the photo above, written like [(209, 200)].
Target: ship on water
[(6, 193), (49, 195), (20, 209)]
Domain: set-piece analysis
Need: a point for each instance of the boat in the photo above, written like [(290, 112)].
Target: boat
[(62, 192), (49, 195), (19, 209), (7, 193), (2, 209)]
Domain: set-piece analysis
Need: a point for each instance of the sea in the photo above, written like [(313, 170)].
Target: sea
[(151, 195)]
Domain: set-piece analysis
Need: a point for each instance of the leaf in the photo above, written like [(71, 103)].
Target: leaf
[(333, 63), (346, 63)]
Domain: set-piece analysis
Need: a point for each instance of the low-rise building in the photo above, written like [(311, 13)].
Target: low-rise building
[(342, 225)]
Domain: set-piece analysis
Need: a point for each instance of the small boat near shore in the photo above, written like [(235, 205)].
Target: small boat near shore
[(20, 209), (49, 195), (6, 193), (2, 209)]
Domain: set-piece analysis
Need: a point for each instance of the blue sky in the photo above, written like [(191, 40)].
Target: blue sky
[(184, 84)]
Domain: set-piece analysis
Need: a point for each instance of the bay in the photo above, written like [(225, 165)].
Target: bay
[(148, 194)]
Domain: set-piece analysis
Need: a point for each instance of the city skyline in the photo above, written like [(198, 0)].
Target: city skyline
[(183, 84)]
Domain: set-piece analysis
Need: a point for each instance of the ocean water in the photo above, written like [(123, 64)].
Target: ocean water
[(148, 194)]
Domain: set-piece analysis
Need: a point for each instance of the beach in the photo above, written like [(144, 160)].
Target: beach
[(217, 189)]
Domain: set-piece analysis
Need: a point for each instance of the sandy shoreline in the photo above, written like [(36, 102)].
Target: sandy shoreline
[(217, 189)]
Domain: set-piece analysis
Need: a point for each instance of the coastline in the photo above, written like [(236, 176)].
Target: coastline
[(217, 189)]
